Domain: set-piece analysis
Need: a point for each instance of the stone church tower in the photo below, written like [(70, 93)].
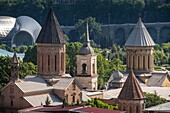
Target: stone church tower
[(140, 50), (14, 68), (51, 48), (131, 98), (87, 64)]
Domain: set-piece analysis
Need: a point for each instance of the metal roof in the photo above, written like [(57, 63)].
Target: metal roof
[(139, 36), (51, 32), (37, 100), (63, 83), (28, 24), (165, 107), (157, 79), (6, 24), (34, 83)]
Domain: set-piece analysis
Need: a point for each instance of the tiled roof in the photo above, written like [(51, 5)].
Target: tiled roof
[(51, 32), (139, 36), (156, 79), (30, 84), (36, 100), (63, 83), (131, 88), (160, 108)]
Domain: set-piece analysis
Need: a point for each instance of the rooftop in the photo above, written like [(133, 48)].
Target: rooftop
[(51, 33), (139, 36), (67, 109)]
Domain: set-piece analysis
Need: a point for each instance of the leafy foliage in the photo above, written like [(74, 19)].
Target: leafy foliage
[(153, 99), (47, 101), (100, 104), (5, 65), (94, 29), (102, 10), (31, 54)]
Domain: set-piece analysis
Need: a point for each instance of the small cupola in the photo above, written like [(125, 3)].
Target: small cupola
[(86, 49)]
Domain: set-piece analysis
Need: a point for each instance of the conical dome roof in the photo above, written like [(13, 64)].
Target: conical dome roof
[(86, 49), (51, 32), (131, 89), (139, 36)]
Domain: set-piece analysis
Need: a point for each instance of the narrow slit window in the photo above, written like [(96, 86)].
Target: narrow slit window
[(55, 62), (48, 62), (42, 62)]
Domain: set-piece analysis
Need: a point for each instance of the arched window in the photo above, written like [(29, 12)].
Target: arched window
[(148, 61), (84, 69), (73, 97), (144, 62), (138, 62), (62, 61), (93, 69), (48, 62), (133, 62), (55, 62), (42, 62), (11, 102)]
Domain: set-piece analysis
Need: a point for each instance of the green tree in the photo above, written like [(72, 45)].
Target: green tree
[(100, 104), (94, 29), (47, 101), (5, 72), (72, 50), (31, 55), (153, 99)]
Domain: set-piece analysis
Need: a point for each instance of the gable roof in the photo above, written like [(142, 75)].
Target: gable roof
[(157, 79), (36, 100), (139, 36), (51, 32), (160, 108), (32, 84), (131, 89), (63, 83)]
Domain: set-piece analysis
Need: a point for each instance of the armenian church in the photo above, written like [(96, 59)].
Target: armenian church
[(51, 81), (54, 83)]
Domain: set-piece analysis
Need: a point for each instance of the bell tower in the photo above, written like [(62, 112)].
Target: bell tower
[(14, 68), (51, 48), (87, 64)]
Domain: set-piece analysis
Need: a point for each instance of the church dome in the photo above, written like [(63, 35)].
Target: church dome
[(86, 49), (117, 75)]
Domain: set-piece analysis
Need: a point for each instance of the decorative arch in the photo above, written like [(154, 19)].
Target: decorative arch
[(152, 31), (22, 38), (120, 36), (165, 34), (84, 68)]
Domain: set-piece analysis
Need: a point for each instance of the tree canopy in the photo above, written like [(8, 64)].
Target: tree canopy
[(105, 11)]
